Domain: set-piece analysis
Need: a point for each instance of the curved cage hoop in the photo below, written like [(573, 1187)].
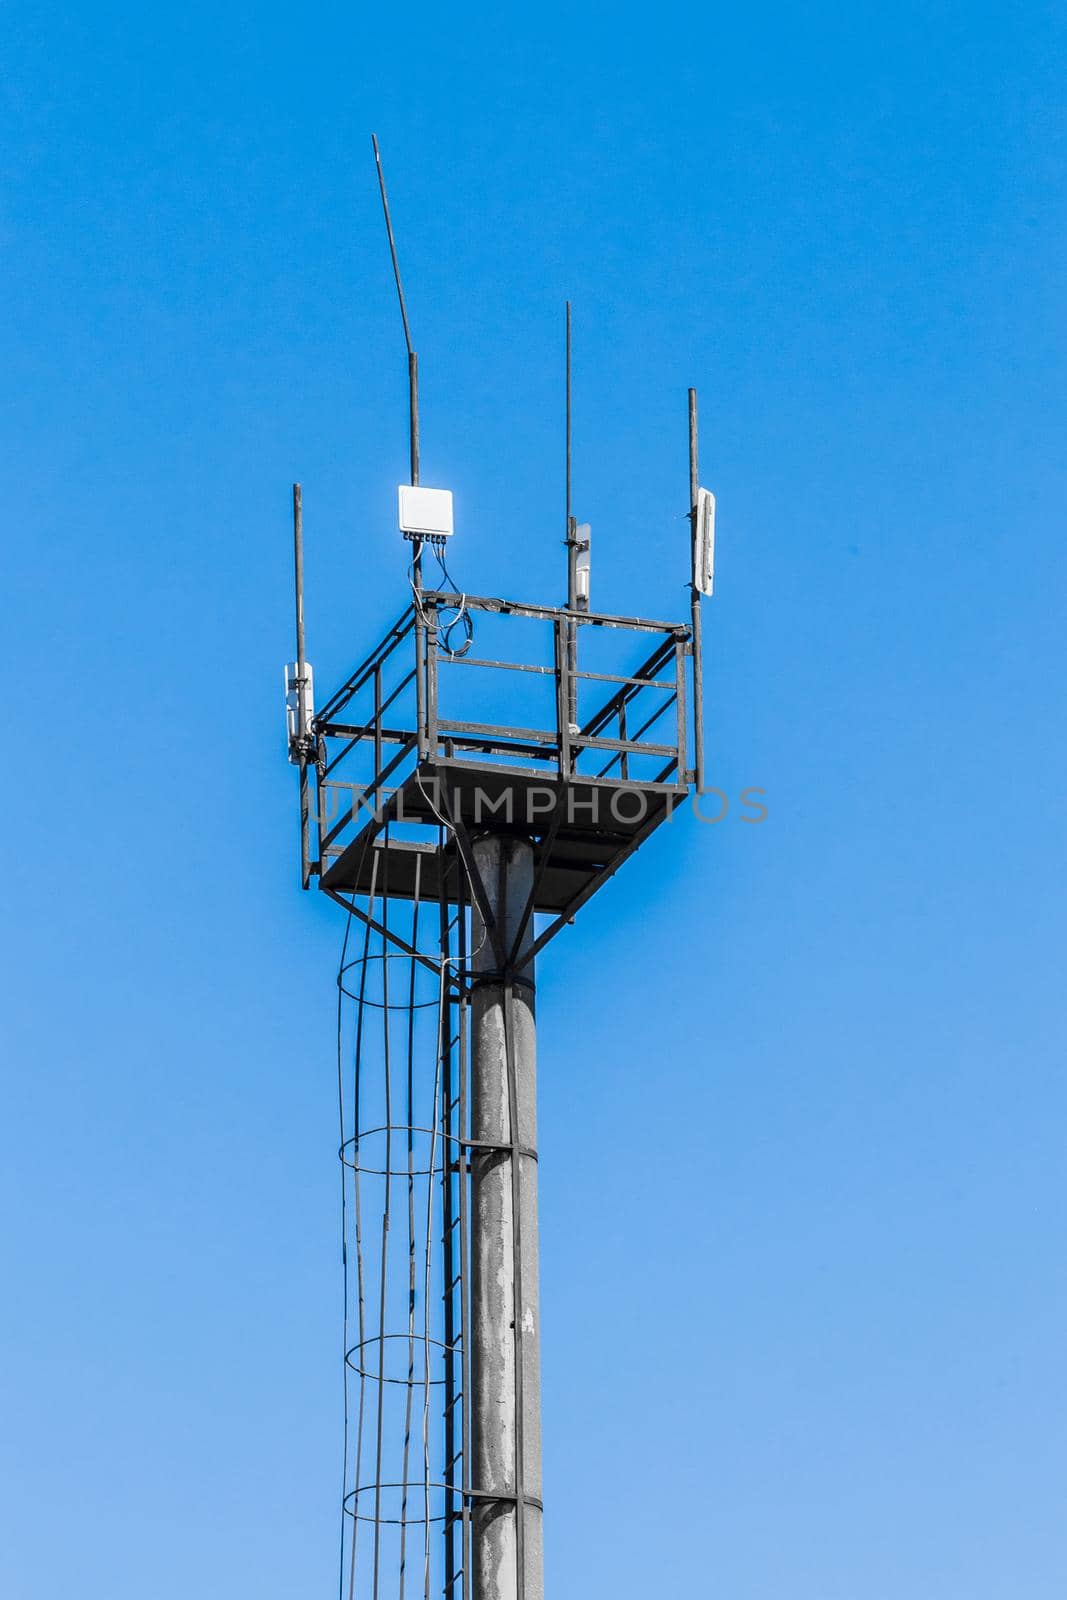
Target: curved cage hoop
[(388, 1497), (427, 1348), (387, 1141)]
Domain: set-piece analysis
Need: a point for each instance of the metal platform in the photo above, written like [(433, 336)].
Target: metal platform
[(584, 829), (410, 765)]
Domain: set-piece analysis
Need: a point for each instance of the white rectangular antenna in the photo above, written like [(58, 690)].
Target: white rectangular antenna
[(704, 544), (582, 561), (424, 513), (298, 731)]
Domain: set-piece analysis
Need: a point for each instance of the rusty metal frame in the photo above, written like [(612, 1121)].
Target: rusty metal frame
[(434, 743)]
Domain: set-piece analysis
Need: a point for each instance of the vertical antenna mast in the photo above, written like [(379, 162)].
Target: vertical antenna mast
[(413, 360), (299, 698), (298, 568), (572, 560), (572, 549), (697, 646)]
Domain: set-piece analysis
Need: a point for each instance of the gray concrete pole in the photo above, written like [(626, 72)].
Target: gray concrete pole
[(505, 1432)]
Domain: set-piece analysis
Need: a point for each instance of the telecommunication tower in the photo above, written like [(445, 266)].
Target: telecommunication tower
[(458, 843)]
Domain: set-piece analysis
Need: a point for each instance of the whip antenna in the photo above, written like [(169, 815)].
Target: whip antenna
[(413, 360)]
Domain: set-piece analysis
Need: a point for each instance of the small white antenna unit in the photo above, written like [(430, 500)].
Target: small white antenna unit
[(582, 561), (704, 543), (297, 726), (424, 513)]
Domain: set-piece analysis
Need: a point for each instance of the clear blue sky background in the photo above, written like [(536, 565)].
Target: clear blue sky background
[(802, 1084)]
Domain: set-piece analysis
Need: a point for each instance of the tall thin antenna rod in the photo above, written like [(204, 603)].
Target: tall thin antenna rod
[(568, 418), (571, 542), (298, 566), (302, 673), (413, 360), (413, 413), (697, 641), (392, 242)]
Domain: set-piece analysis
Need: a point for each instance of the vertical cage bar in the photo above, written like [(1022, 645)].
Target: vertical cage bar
[(463, 1003), (452, 1156), (409, 1119), (383, 1279)]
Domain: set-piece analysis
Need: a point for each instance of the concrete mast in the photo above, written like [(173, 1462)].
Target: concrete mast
[(505, 1335)]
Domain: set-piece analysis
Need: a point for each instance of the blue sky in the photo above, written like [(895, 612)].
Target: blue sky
[(802, 1086)]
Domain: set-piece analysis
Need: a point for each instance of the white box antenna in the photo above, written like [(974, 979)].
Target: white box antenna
[(424, 513), (704, 543), (298, 730), (582, 561)]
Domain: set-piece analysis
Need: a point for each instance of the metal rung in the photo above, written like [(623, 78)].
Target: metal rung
[(456, 1398)]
